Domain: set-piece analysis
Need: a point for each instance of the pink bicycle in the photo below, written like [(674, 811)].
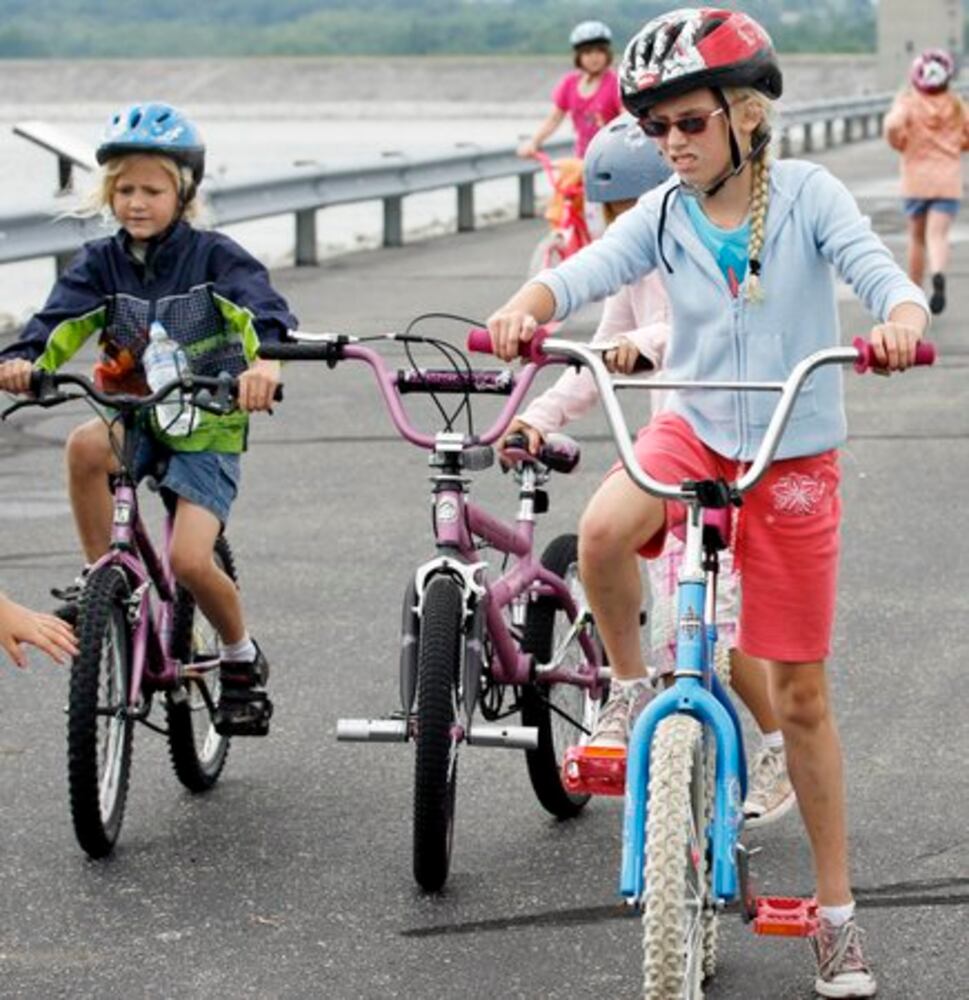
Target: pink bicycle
[(479, 646), (569, 230)]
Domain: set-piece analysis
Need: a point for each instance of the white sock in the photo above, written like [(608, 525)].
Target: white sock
[(243, 651), (837, 916), (772, 741)]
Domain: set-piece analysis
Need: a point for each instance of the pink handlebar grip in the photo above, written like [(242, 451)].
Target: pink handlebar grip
[(924, 355), (479, 341)]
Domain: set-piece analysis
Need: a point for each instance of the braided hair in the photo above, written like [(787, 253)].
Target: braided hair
[(760, 191)]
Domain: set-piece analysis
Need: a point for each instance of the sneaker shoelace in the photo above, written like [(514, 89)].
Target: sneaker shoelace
[(845, 951)]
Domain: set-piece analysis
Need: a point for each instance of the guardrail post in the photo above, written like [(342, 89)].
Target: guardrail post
[(306, 238), (526, 196), (465, 208), (828, 133), (394, 221), (880, 122), (785, 143), (808, 142), (866, 126)]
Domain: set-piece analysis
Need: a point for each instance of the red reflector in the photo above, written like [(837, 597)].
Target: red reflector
[(594, 771), (786, 916)]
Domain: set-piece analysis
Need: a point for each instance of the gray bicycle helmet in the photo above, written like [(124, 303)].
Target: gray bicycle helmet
[(589, 33), (621, 163)]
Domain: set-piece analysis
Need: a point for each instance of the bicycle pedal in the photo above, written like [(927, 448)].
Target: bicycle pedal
[(786, 916), (591, 770), (243, 713)]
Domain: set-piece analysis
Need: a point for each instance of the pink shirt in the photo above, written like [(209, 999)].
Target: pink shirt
[(931, 135), (641, 313), (590, 113)]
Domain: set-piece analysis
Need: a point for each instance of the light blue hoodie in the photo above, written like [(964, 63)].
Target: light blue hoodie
[(814, 228)]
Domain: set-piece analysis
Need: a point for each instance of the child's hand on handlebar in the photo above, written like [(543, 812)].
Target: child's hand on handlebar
[(533, 435), (15, 375), (257, 385), (508, 328), (623, 357), (894, 344)]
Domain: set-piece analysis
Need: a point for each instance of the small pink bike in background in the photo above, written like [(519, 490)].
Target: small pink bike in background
[(569, 230)]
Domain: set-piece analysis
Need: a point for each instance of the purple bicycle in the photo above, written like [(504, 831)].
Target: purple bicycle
[(131, 649), (478, 647)]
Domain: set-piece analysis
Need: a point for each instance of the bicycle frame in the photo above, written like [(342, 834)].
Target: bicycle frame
[(572, 228)]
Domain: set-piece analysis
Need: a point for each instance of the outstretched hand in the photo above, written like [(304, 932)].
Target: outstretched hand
[(19, 625)]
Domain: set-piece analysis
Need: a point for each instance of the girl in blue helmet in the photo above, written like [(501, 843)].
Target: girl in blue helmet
[(211, 296), (621, 165), (589, 94)]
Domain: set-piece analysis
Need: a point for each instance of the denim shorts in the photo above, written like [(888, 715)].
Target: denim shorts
[(209, 479), (919, 206)]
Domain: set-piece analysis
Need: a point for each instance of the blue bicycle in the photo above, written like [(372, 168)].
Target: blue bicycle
[(685, 774)]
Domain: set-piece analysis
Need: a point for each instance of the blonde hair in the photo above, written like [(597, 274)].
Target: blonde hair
[(99, 198), (760, 189)]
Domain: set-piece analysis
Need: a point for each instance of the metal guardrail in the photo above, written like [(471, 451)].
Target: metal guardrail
[(303, 193)]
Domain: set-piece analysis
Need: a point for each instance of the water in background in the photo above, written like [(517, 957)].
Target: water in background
[(266, 117)]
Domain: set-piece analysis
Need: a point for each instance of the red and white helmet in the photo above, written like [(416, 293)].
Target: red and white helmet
[(689, 48), (932, 71)]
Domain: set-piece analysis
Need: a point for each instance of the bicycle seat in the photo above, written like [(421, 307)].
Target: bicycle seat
[(717, 527), (558, 452)]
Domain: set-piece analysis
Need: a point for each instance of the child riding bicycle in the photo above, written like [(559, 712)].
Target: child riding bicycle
[(215, 301), (621, 165), (741, 245)]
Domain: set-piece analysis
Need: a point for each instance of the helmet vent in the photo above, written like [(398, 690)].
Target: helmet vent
[(708, 27), (135, 120), (672, 37)]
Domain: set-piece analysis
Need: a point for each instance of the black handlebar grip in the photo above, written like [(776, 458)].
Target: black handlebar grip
[(300, 351)]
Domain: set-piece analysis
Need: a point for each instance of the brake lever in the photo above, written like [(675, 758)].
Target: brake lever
[(44, 402)]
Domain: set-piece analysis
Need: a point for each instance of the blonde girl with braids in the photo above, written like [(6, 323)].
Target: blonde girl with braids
[(747, 252)]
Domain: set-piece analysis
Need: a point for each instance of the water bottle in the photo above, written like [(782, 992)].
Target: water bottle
[(163, 361)]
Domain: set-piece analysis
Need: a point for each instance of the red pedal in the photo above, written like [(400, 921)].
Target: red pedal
[(786, 916), (594, 771)]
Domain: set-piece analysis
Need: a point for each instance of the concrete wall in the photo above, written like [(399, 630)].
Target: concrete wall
[(906, 28)]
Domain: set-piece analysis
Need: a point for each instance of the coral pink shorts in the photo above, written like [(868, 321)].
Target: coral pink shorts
[(785, 545)]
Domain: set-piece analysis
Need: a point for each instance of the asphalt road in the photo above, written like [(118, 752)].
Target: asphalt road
[(292, 878)]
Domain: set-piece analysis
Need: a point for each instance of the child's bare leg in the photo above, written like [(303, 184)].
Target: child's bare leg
[(937, 229), (619, 519), (748, 677), (193, 563), (802, 701), (916, 248), (90, 460)]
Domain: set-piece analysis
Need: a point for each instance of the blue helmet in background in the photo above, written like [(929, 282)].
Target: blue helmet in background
[(153, 127), (622, 163)]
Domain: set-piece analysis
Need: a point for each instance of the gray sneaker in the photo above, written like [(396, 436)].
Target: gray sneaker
[(770, 793), (626, 700), (842, 969)]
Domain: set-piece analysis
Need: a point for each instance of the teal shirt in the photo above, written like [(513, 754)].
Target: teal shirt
[(728, 246)]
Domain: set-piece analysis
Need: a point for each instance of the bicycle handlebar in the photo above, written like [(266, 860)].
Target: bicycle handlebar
[(44, 385), (333, 348), (860, 355), (479, 340)]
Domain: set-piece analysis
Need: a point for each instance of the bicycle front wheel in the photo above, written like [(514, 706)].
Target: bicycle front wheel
[(438, 705), (677, 898), (99, 730), (197, 751), (562, 713)]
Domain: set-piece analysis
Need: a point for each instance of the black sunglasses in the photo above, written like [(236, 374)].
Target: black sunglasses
[(693, 124)]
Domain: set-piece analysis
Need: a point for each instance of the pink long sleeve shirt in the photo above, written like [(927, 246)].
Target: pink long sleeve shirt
[(639, 312), (931, 134)]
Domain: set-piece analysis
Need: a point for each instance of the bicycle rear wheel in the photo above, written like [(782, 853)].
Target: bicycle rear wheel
[(547, 253), (438, 710), (99, 730), (677, 895), (197, 751), (562, 713)]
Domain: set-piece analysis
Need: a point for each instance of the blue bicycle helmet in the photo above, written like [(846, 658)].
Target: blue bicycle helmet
[(154, 127), (621, 163)]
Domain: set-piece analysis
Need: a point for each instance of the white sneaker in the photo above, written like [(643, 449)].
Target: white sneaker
[(769, 791), (626, 700), (842, 969)]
